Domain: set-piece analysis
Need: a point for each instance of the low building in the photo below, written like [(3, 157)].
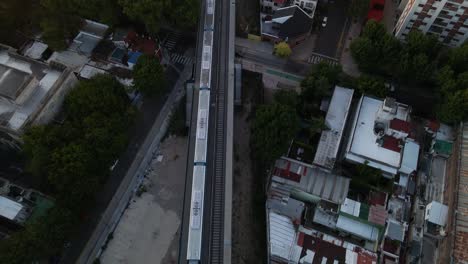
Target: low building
[(379, 134), (31, 92), (270, 6), (307, 5), (290, 24), (436, 218), (335, 121)]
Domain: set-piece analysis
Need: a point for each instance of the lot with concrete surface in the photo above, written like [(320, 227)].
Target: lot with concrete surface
[(149, 229)]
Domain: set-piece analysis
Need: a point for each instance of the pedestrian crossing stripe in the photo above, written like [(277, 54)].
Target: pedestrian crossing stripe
[(314, 59), (178, 58)]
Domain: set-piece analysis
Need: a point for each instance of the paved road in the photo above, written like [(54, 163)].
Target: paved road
[(148, 112), (330, 36)]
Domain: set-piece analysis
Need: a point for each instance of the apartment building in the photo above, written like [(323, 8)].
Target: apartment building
[(447, 19)]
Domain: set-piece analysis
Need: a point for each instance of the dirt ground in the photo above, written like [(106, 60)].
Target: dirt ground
[(249, 237), (149, 229)]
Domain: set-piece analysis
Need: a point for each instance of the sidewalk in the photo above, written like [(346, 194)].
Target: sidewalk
[(346, 59)]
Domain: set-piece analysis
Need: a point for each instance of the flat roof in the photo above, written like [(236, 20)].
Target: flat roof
[(15, 114), (410, 157), (9, 208), (363, 144), (335, 120), (12, 81), (311, 179), (436, 213)]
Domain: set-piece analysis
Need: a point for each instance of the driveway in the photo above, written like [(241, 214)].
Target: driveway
[(330, 36)]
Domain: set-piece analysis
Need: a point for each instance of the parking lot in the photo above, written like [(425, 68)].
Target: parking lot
[(330, 37)]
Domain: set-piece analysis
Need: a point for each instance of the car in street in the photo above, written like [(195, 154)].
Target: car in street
[(324, 21)]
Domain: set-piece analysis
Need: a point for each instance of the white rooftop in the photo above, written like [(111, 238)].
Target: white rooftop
[(282, 235), (410, 157), (351, 207), (335, 120), (36, 50), (16, 112), (9, 208), (363, 144), (88, 71), (436, 213)]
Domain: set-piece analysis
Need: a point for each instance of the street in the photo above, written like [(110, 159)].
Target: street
[(330, 37)]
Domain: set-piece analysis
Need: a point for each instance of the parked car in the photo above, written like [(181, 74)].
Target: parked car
[(324, 21)]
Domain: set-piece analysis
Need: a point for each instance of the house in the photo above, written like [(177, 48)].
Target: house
[(436, 218), (290, 24), (307, 5), (31, 92), (335, 121), (81, 48), (270, 6), (379, 134)]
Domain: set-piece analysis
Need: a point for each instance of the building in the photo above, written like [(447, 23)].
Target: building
[(447, 19), (307, 5), (31, 92), (81, 48), (379, 135), (270, 6), (290, 24), (335, 121)]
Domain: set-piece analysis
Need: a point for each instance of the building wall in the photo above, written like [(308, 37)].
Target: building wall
[(447, 19), (269, 6), (308, 5), (292, 42)]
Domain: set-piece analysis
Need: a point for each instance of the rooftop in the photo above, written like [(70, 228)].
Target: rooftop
[(335, 121), (282, 235), (436, 213), (287, 22), (311, 179), (410, 157), (395, 231), (358, 228), (369, 128), (25, 83), (9, 208)]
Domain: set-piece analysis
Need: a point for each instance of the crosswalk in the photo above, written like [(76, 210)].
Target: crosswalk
[(171, 40), (181, 59), (317, 58)]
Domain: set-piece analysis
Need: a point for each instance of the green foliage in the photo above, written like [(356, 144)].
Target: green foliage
[(72, 159), (104, 11), (458, 58), (184, 13), (149, 12), (273, 128), (148, 76), (367, 84), (376, 51), (287, 97), (282, 50), (359, 8), (454, 108), (319, 82)]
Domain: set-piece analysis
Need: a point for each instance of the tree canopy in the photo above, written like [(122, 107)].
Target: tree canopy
[(71, 160), (148, 76), (273, 128), (367, 84), (283, 50), (358, 8)]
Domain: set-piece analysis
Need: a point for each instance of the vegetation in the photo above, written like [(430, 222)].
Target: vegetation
[(148, 76), (420, 61), (367, 84), (72, 160), (59, 20), (282, 50), (273, 128)]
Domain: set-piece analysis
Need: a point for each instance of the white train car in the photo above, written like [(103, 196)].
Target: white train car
[(201, 142)]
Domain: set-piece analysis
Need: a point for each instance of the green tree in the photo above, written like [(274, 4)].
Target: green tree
[(358, 8), (454, 108), (148, 76), (458, 58), (286, 97), (282, 50), (149, 12), (184, 13), (273, 128), (367, 84), (59, 22)]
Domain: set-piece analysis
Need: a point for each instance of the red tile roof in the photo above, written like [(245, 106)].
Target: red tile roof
[(287, 174), (300, 239), (400, 125), (374, 14), (377, 214), (433, 125), (391, 143), (364, 258), (377, 198)]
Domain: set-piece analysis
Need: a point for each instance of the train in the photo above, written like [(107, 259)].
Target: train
[(201, 140)]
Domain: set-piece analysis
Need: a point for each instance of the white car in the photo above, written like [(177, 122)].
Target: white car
[(324, 22)]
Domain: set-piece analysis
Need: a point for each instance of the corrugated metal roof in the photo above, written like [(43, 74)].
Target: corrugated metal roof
[(436, 213), (410, 157), (395, 231), (9, 208), (357, 228), (282, 235)]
